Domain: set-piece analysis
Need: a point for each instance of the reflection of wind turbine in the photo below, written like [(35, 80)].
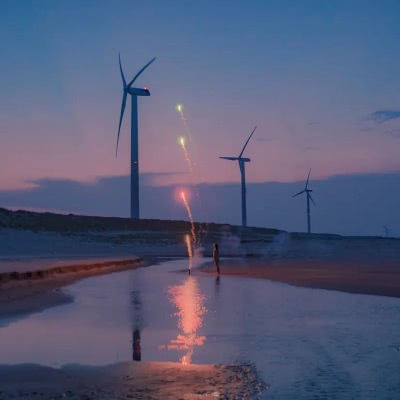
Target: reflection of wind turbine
[(308, 191), (242, 160), (134, 92), (137, 326)]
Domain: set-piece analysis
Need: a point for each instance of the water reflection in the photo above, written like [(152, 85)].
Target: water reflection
[(137, 350), (217, 285), (136, 326), (190, 305)]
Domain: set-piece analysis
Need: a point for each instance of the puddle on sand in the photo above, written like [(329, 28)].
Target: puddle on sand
[(305, 343)]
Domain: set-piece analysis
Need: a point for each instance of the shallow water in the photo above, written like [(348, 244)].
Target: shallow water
[(305, 343)]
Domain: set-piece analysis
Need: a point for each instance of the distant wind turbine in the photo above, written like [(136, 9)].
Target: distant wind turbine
[(134, 92), (386, 231), (307, 191), (242, 160)]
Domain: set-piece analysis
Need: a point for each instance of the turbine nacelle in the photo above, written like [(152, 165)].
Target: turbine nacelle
[(128, 89), (240, 158), (138, 91), (306, 189)]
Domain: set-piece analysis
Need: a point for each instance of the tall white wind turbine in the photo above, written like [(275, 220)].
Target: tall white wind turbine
[(242, 160), (308, 192), (134, 92)]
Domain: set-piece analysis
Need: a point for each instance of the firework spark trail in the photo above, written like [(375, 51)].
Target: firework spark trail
[(186, 153), (192, 230), (179, 108), (189, 162), (190, 251), (190, 165), (189, 246)]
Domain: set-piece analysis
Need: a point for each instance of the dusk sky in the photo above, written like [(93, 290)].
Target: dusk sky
[(320, 79)]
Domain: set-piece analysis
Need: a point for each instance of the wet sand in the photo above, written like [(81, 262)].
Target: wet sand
[(24, 294), (144, 380), (362, 277)]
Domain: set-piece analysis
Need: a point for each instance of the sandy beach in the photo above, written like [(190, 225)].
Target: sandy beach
[(36, 264), (381, 278)]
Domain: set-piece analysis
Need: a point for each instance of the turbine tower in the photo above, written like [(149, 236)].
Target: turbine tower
[(307, 191), (242, 160), (134, 92)]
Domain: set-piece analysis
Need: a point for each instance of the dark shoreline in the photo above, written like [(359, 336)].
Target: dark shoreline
[(65, 269)]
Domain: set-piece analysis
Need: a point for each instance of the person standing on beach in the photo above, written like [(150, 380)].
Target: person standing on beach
[(216, 257)]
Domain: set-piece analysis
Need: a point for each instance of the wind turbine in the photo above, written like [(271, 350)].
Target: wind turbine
[(134, 92), (242, 160), (307, 191), (386, 230)]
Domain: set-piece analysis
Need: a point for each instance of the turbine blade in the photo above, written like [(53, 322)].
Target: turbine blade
[(122, 72), (299, 193), (309, 172), (312, 200), (137, 75), (230, 158), (240, 155), (120, 119)]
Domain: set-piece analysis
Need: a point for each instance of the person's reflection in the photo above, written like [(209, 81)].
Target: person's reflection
[(217, 285), (137, 324), (137, 351)]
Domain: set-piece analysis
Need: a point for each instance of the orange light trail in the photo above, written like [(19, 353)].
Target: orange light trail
[(190, 250), (189, 211), (179, 108), (189, 302), (185, 152)]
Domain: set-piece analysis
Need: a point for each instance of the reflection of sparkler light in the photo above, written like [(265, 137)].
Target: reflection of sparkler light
[(185, 202), (189, 302), (185, 152), (179, 108)]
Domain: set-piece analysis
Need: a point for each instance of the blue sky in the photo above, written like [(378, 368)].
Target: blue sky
[(319, 78)]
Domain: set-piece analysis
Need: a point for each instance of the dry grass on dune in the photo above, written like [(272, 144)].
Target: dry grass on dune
[(80, 223)]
